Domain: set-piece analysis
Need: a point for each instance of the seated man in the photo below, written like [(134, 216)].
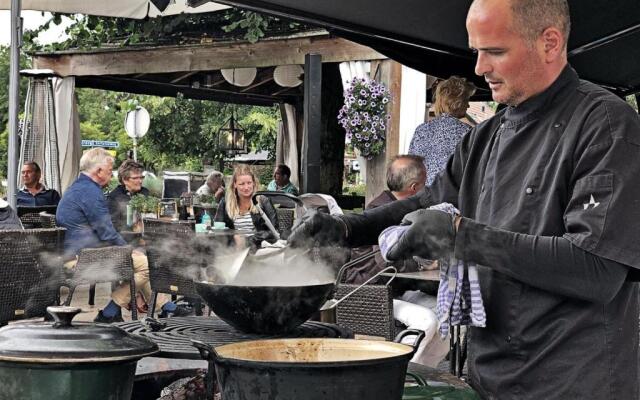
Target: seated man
[(83, 212), (34, 193), (8, 218), (406, 176), (281, 182), (214, 186)]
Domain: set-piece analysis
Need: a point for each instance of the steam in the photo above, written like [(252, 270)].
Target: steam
[(288, 267)]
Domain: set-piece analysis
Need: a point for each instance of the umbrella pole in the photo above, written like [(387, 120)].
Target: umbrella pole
[(14, 101)]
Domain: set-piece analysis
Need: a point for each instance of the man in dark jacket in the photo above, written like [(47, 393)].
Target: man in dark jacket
[(34, 193), (406, 176), (546, 189)]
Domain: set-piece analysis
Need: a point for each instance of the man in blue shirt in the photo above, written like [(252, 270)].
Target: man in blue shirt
[(34, 193), (84, 212)]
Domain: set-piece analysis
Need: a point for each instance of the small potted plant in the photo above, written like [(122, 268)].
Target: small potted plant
[(143, 207), (207, 200)]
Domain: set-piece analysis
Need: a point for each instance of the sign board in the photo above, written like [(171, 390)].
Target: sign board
[(100, 143), (137, 122)]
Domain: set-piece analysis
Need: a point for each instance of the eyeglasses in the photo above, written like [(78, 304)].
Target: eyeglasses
[(138, 178)]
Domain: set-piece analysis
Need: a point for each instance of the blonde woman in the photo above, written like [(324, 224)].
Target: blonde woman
[(237, 210), (436, 139)]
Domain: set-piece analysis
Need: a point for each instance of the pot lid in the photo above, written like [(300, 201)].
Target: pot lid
[(64, 342)]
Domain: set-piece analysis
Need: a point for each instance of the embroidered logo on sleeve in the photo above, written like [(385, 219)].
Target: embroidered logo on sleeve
[(592, 203)]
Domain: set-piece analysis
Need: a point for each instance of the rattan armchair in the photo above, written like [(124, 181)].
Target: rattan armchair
[(369, 311), (30, 275), (47, 220), (286, 217), (30, 216), (176, 257), (103, 264)]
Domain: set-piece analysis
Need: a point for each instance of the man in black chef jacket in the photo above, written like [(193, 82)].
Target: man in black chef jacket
[(550, 201)]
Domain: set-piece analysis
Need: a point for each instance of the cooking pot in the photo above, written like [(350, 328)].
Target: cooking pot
[(272, 309), (311, 369), (64, 360)]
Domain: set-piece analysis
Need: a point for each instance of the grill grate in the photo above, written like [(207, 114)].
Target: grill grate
[(174, 340)]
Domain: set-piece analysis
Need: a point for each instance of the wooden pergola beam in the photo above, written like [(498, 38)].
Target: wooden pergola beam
[(204, 57), (182, 76)]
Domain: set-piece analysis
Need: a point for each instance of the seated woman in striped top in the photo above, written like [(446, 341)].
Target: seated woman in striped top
[(237, 210)]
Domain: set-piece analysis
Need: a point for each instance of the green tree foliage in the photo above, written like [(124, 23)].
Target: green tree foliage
[(4, 101), (183, 132)]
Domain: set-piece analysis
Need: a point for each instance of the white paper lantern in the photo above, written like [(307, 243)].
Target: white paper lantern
[(288, 75), (239, 76)]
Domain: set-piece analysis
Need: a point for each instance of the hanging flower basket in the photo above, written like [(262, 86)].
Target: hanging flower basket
[(364, 115)]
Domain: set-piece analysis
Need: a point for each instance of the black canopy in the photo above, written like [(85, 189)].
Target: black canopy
[(430, 35)]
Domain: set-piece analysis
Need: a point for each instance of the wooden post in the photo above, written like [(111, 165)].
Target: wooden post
[(390, 73), (312, 123)]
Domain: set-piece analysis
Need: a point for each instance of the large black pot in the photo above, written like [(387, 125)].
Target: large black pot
[(61, 360), (264, 309), (311, 369)]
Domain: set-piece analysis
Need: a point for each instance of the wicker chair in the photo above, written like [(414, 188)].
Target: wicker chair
[(30, 276), (103, 264), (30, 216), (286, 217), (47, 220), (175, 258), (369, 311)]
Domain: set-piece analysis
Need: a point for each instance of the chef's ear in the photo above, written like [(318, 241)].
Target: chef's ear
[(553, 44)]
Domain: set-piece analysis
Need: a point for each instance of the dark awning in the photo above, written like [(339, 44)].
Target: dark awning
[(430, 35)]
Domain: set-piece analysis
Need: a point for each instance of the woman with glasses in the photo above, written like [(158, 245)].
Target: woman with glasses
[(130, 176)]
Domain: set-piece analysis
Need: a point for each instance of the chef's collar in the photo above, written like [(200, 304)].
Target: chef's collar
[(532, 106)]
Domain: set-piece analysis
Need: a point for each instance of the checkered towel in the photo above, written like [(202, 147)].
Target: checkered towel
[(459, 297)]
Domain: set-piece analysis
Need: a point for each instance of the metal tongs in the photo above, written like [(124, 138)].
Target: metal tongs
[(332, 303)]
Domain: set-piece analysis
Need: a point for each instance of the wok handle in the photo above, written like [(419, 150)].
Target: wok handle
[(407, 332), (419, 380), (207, 352)]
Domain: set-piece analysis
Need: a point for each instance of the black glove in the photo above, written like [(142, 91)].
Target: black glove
[(318, 229), (431, 235)]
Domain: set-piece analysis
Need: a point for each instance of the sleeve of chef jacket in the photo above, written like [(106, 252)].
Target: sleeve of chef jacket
[(592, 259), (363, 229)]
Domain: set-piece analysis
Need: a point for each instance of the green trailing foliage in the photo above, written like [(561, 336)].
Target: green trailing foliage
[(86, 31)]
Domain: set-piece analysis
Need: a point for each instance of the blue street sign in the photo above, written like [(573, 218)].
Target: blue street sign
[(100, 143)]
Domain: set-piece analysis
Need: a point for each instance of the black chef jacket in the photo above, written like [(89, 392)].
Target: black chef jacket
[(565, 163)]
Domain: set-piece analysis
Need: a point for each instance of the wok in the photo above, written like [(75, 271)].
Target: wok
[(269, 309), (264, 309)]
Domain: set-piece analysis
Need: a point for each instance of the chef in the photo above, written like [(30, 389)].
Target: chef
[(550, 202)]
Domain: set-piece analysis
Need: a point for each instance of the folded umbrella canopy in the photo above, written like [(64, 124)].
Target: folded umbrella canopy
[(430, 35)]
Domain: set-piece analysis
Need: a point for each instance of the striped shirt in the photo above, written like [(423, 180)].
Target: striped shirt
[(243, 222)]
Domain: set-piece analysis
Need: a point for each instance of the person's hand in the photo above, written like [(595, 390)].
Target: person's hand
[(219, 193), (316, 228), (431, 235)]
